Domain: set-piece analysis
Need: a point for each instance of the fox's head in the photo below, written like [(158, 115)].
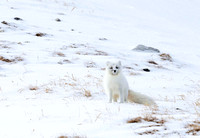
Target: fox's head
[(114, 68)]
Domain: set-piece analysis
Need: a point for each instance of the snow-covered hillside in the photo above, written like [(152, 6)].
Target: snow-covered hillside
[(52, 61)]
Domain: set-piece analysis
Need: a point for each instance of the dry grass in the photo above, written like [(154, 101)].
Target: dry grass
[(100, 53), (93, 53), (165, 56), (90, 64), (60, 54), (182, 97), (11, 60), (147, 119), (135, 120), (5, 23), (75, 136), (84, 49), (103, 39), (10, 25), (149, 132), (90, 51), (65, 61), (73, 46), (33, 88), (76, 46), (133, 73), (194, 129), (72, 85), (152, 62), (6, 59), (40, 34), (86, 93), (48, 90), (156, 64), (197, 103), (1, 30), (154, 119), (151, 124), (128, 67), (19, 59)]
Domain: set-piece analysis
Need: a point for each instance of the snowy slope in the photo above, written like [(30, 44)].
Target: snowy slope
[(52, 61)]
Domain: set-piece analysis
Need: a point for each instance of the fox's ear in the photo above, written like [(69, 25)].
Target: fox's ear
[(119, 62), (108, 63)]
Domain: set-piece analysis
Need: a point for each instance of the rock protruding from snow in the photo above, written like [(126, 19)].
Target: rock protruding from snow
[(146, 49)]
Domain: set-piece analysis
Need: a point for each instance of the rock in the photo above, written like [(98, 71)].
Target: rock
[(58, 20), (146, 70), (146, 49), (18, 19)]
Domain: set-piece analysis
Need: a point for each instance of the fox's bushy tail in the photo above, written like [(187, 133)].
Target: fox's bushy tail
[(140, 98)]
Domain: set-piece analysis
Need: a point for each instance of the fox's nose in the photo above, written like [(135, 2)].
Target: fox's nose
[(114, 71)]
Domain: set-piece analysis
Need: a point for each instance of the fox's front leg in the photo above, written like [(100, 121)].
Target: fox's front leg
[(110, 97), (126, 96), (121, 95)]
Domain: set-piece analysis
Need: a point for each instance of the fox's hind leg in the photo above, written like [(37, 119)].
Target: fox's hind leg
[(115, 97)]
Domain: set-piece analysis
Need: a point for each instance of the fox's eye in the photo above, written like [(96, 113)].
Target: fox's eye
[(111, 67), (117, 67)]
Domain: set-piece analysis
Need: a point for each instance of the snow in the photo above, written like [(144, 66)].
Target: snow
[(53, 85)]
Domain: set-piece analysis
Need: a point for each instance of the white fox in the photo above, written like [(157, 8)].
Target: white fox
[(116, 86)]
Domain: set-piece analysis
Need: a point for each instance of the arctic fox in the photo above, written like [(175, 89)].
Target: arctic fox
[(116, 86)]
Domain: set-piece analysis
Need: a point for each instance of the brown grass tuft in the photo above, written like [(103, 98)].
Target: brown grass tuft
[(87, 93), (59, 54), (5, 59), (40, 34), (19, 59), (48, 90), (135, 120), (127, 67), (149, 132), (193, 129), (95, 53), (11, 60), (133, 73), (90, 64), (147, 119), (165, 56), (33, 88), (154, 119), (152, 62), (197, 103), (5, 23), (74, 136), (100, 53)]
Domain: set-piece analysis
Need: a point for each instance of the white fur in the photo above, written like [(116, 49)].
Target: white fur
[(116, 86)]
